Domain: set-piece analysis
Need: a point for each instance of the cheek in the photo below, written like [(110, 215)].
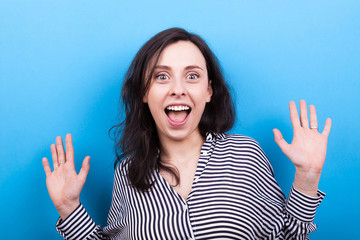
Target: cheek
[(149, 95), (154, 101), (200, 95), (154, 111)]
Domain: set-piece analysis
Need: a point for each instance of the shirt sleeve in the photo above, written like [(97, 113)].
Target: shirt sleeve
[(79, 225), (299, 214), (294, 215)]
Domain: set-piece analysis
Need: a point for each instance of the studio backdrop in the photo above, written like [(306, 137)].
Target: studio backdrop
[(61, 70)]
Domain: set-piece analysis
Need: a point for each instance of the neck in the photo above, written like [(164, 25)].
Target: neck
[(177, 152)]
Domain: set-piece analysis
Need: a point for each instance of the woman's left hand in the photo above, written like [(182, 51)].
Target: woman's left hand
[(307, 150)]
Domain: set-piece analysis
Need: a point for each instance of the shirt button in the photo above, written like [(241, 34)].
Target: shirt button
[(185, 207)]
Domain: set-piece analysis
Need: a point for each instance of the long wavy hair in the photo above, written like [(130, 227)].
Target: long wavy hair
[(136, 138)]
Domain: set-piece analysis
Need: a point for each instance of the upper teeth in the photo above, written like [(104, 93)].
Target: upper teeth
[(178, 108)]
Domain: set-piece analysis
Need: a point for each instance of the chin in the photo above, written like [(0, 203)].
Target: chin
[(180, 134)]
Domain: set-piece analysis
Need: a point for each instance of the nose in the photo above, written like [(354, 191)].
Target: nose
[(178, 88)]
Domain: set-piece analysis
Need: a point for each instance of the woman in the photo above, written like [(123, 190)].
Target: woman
[(180, 176)]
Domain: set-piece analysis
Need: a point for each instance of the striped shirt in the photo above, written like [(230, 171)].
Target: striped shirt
[(234, 196)]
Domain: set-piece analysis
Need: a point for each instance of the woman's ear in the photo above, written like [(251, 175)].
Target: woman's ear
[(210, 92), (145, 98)]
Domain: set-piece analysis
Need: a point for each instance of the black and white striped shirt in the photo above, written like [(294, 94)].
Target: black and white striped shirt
[(234, 196)]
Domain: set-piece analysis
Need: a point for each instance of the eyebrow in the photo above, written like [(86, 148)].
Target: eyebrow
[(187, 67)]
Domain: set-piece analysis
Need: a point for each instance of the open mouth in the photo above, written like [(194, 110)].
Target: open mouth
[(177, 113)]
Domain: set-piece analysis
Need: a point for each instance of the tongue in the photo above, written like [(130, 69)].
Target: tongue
[(177, 116)]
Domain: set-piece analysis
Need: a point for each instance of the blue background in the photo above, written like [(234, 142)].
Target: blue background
[(62, 64)]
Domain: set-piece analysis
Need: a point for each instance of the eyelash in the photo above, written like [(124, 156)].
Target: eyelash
[(191, 76), (157, 76)]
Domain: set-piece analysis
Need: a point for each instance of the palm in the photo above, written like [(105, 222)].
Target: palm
[(307, 150), (63, 183)]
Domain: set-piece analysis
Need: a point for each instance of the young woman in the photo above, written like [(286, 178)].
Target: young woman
[(178, 175)]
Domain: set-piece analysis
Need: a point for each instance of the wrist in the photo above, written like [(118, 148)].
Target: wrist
[(66, 209), (307, 181)]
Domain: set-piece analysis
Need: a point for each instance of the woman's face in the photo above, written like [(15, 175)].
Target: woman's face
[(179, 91)]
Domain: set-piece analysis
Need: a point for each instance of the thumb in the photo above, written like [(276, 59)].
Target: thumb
[(85, 168), (280, 141)]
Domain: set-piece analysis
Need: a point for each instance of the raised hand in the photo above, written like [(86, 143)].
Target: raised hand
[(307, 150), (63, 183)]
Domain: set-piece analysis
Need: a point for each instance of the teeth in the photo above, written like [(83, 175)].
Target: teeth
[(177, 108)]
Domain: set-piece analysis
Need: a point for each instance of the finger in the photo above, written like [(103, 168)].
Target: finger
[(294, 117), (69, 149), (54, 156), (60, 150), (327, 127), (280, 141), (303, 114), (46, 166), (85, 168), (313, 118)]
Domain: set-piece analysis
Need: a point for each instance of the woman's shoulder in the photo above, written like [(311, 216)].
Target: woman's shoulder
[(240, 147), (235, 139), (121, 168)]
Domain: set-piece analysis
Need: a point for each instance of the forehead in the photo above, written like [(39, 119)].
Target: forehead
[(182, 54)]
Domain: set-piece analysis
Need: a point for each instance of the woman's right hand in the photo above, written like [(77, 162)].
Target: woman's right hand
[(63, 183)]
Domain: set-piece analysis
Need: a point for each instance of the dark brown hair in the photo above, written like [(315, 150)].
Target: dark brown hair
[(136, 139)]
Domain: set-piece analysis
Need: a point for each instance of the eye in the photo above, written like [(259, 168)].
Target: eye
[(161, 77), (192, 76)]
